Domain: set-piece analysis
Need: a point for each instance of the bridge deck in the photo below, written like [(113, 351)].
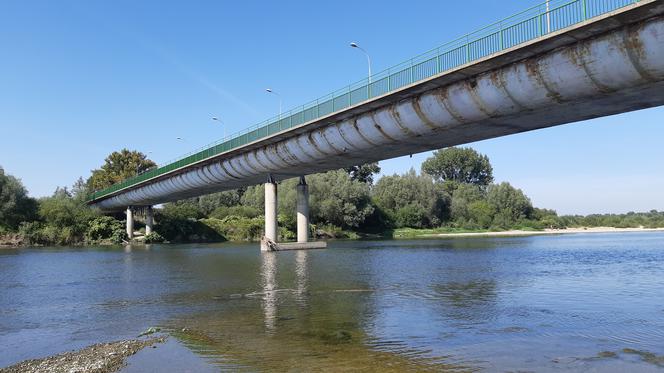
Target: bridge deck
[(527, 34)]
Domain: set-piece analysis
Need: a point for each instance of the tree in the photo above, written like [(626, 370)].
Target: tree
[(463, 197), (182, 210), (461, 165), (105, 228), (511, 204), (62, 211), (364, 173), (80, 189), (228, 198), (411, 200), (65, 218), (335, 198), (15, 205), (119, 166)]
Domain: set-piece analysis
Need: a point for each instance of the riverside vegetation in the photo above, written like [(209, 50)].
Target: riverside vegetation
[(453, 192)]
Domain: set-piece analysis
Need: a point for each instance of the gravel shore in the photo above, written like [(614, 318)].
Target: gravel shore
[(98, 358)]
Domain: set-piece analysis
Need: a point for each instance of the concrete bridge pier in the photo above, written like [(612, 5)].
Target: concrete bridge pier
[(149, 220), (130, 223), (270, 213), (302, 211)]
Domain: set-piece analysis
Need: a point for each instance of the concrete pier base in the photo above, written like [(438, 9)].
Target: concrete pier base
[(270, 214), (270, 245), (269, 241), (302, 211), (130, 223), (149, 220)]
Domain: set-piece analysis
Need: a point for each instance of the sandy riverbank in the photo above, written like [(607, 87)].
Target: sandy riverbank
[(512, 233)]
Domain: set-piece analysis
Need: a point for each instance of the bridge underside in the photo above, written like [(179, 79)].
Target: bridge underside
[(613, 72)]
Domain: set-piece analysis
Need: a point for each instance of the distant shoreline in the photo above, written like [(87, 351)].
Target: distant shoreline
[(517, 233), (13, 243)]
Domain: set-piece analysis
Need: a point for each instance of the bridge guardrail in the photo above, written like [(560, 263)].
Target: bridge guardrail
[(522, 27)]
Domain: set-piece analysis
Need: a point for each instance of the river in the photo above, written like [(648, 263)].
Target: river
[(543, 303)]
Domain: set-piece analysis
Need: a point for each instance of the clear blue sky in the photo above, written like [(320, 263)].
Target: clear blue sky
[(80, 79)]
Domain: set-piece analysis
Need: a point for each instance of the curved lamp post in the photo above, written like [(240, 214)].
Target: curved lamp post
[(269, 90), (216, 119), (354, 45)]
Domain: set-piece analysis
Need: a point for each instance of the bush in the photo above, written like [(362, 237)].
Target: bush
[(511, 204), (176, 229), (236, 228), (411, 216), (15, 205), (286, 234), (105, 228), (32, 233), (36, 233), (411, 200), (332, 231), (153, 237), (61, 211), (182, 210), (481, 213)]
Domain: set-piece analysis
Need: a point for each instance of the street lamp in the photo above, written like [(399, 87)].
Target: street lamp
[(269, 90), (216, 119), (354, 45)]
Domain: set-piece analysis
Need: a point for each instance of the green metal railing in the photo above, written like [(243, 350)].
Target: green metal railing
[(528, 25)]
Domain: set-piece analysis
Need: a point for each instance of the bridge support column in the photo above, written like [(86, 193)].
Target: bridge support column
[(130, 223), (149, 220), (302, 211), (270, 212)]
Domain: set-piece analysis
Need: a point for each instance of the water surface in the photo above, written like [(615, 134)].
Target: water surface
[(543, 303)]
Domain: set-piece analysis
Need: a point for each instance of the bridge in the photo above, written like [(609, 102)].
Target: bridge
[(556, 63)]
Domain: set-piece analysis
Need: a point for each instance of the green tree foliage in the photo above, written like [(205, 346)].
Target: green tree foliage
[(335, 198), (153, 237), (236, 228), (119, 166), (179, 222), (64, 219), (480, 215), (254, 196), (463, 195), (105, 228), (238, 210), (511, 204), (80, 189), (651, 219), (411, 200), (461, 165), (364, 173), (206, 204), (182, 210), (15, 205), (67, 217), (228, 198)]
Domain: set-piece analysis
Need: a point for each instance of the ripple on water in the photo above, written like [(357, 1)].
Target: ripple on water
[(429, 305)]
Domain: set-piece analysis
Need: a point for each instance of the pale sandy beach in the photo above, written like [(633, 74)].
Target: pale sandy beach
[(547, 232)]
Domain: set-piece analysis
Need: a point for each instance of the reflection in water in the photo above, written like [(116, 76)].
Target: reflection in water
[(269, 276), (320, 329), (425, 305), (472, 301), (301, 271)]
